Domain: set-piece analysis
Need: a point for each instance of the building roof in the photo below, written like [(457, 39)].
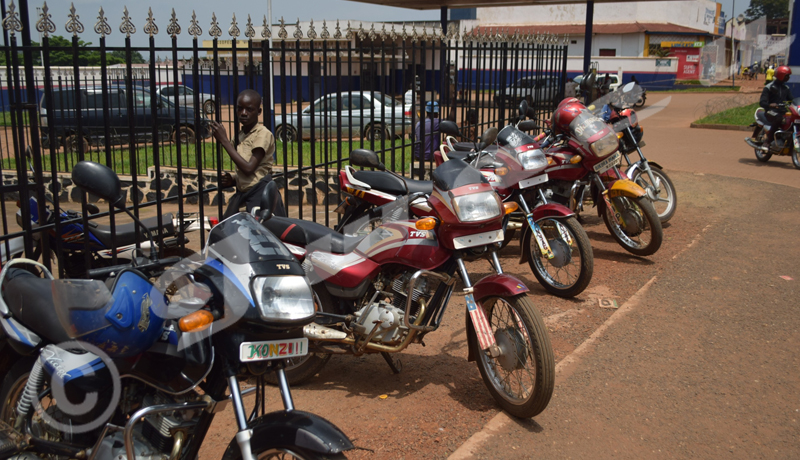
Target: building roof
[(599, 29), (436, 4)]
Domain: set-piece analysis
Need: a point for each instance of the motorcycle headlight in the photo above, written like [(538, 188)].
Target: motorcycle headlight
[(533, 159), (477, 206), (283, 298), (606, 145)]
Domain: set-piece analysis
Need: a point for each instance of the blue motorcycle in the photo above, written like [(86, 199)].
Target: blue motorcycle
[(116, 370)]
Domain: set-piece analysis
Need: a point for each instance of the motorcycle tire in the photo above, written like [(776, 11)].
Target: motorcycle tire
[(302, 369), (522, 378), (761, 155), (640, 102), (796, 159), (268, 448), (666, 201), (570, 270), (634, 238)]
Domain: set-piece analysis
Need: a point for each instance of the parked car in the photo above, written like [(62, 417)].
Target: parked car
[(601, 77), (185, 96), (532, 89), (65, 118), (372, 115)]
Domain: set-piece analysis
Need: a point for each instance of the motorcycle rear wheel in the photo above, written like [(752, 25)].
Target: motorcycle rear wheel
[(522, 378), (570, 271), (666, 201), (643, 236)]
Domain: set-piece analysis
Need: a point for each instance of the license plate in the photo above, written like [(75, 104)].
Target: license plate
[(273, 349), (480, 239), (541, 179), (607, 164)]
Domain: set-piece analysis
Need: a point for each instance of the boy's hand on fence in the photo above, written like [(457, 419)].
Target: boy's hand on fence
[(226, 180), (219, 131)]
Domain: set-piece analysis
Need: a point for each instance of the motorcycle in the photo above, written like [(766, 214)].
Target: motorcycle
[(389, 288), (647, 174), (553, 243), (585, 155), (785, 140), (113, 370)]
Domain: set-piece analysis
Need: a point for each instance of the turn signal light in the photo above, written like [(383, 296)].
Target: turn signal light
[(576, 159), (619, 135), (501, 171), (550, 161), (196, 321), (427, 223), (510, 207)]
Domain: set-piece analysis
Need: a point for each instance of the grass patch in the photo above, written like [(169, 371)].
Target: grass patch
[(292, 154), (739, 116), (5, 118)]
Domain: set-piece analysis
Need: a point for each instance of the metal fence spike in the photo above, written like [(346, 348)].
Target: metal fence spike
[(337, 34), (173, 29), (233, 30), (214, 30), (127, 26), (282, 34), (194, 28), (312, 33), (350, 34), (384, 33), (249, 31), (74, 25), (325, 35), (11, 21), (414, 36), (298, 34), (393, 34), (266, 31), (150, 28), (404, 34), (362, 34), (372, 34), (45, 25)]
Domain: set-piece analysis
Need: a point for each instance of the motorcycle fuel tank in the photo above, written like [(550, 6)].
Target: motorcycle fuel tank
[(402, 243)]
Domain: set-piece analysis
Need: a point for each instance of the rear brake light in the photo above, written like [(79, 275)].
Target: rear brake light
[(213, 221)]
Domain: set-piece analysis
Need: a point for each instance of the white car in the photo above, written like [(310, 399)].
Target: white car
[(185, 97), (615, 80)]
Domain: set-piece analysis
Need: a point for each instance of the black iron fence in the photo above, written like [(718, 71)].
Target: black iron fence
[(325, 92)]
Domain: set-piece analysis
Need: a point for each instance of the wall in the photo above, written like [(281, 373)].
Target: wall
[(686, 13)]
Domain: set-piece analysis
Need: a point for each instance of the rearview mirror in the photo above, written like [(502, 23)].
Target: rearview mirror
[(523, 109), (99, 180), (488, 137), (269, 201), (366, 159), (449, 127), (527, 125)]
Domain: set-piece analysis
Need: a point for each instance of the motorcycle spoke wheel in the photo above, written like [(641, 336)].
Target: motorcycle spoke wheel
[(640, 232), (796, 159), (761, 155), (522, 377), (570, 270), (661, 194)]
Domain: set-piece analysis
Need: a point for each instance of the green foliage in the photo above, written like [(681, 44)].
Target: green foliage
[(86, 56), (772, 9), (739, 116)]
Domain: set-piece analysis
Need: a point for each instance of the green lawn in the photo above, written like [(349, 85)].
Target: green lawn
[(5, 118), (290, 154), (740, 116)]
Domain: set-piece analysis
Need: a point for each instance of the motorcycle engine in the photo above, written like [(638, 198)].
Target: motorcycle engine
[(153, 438)]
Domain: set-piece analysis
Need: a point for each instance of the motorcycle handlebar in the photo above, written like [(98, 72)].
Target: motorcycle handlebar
[(104, 272)]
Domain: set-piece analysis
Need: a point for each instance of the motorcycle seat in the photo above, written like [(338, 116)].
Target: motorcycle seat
[(126, 233), (463, 147), (30, 300), (761, 117), (304, 233), (393, 185)]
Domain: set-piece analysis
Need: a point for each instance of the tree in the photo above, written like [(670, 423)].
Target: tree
[(136, 57), (772, 9)]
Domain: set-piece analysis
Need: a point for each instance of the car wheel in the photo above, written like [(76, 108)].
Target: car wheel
[(376, 132), (71, 144), (184, 135), (286, 133), (209, 106)]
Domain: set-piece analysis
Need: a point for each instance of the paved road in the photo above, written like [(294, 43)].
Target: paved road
[(702, 362)]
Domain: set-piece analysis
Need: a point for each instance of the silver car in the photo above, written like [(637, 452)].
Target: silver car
[(371, 115), (185, 96), (544, 89)]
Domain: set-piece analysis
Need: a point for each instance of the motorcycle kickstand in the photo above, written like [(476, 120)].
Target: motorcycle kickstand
[(394, 364)]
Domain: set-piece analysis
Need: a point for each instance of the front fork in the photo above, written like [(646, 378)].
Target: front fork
[(795, 139), (245, 433), (538, 234), (481, 324), (603, 191)]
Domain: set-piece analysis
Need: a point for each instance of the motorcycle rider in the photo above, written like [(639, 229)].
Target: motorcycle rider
[(774, 93)]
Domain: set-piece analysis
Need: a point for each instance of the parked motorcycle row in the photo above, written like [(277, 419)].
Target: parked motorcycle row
[(136, 359)]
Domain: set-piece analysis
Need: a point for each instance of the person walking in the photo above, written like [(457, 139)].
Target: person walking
[(428, 140), (770, 76)]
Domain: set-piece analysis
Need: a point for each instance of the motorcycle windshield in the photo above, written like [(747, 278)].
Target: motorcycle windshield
[(511, 137), (587, 125), (241, 240)]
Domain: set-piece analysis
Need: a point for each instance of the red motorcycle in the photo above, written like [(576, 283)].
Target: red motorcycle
[(785, 140), (585, 154), (382, 291)]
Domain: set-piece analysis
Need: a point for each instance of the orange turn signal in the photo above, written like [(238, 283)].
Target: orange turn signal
[(550, 161), (576, 159), (501, 171), (510, 207), (427, 223), (196, 321), (619, 135)]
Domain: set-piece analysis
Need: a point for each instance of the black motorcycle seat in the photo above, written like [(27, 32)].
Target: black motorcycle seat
[(393, 185), (126, 233), (464, 147), (30, 300), (304, 233)]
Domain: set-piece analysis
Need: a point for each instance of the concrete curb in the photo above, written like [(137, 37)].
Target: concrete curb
[(722, 127)]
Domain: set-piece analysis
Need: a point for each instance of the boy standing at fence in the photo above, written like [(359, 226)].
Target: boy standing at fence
[(253, 155)]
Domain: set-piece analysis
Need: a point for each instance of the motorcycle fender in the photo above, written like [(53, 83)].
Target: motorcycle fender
[(638, 165), (298, 428), (626, 188), (502, 285), (551, 210)]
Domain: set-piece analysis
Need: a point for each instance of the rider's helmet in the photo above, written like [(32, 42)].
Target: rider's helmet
[(432, 107), (782, 73), (566, 111)]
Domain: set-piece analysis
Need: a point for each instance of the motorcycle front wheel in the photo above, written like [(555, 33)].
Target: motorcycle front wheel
[(663, 197), (761, 155), (640, 232), (569, 271), (265, 448), (521, 379), (796, 158)]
